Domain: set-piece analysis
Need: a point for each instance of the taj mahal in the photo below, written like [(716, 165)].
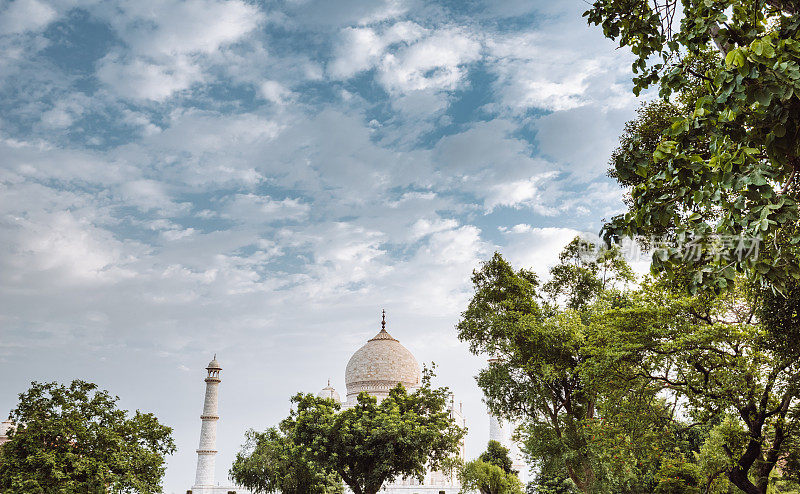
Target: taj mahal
[(375, 368)]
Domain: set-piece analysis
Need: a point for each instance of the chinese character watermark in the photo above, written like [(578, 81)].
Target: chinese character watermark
[(719, 248)]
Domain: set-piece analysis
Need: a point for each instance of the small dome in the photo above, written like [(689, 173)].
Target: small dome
[(214, 364), (379, 365), (329, 392)]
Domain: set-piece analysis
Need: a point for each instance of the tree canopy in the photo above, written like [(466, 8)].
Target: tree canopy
[(491, 472), (499, 455), (710, 355), (488, 478), (271, 461), (720, 173), (372, 443), (539, 350), (74, 439), (712, 174)]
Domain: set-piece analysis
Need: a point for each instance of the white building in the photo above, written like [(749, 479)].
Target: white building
[(501, 432), (207, 450), (377, 367), (5, 427)]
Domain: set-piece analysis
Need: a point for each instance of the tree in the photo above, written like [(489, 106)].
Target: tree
[(74, 439), (373, 443), (488, 478), (497, 454), (551, 484), (724, 171), (539, 350), (584, 272), (272, 462), (712, 355)]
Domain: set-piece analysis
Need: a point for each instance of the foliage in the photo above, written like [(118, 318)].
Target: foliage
[(713, 459), (710, 354), (552, 484), (372, 443), (75, 440), (677, 476), (726, 165), (584, 272), (497, 454), (272, 462), (488, 478), (539, 351)]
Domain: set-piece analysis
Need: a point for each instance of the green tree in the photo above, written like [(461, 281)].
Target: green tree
[(488, 478), (551, 484), (497, 454), (75, 440), (724, 168), (584, 272), (677, 476), (271, 462), (726, 164), (539, 352), (372, 443), (711, 354)]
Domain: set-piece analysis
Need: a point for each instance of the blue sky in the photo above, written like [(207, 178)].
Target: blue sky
[(259, 180)]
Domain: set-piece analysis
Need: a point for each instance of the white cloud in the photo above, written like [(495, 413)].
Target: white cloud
[(520, 193), (255, 209), (140, 79), (178, 27), (424, 227), (582, 139), (536, 248), (168, 41), (35, 159), (148, 195), (322, 14), (561, 65), (61, 247), (358, 50), (205, 149), (407, 56), (361, 48), (19, 16), (275, 92), (66, 110), (435, 62), (536, 72)]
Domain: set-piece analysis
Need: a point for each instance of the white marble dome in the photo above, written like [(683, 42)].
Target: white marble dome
[(329, 392), (379, 365)]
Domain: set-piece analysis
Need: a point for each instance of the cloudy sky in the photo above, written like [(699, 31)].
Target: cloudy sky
[(260, 179)]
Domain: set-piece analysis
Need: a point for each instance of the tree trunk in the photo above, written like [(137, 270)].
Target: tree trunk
[(585, 482), (738, 476)]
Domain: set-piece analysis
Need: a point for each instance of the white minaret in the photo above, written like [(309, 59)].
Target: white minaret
[(500, 432), (207, 451), (496, 430)]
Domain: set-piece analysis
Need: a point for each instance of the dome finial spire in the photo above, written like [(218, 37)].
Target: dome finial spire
[(383, 320)]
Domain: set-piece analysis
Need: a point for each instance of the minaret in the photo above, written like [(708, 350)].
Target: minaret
[(496, 431), (500, 433), (207, 451)]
